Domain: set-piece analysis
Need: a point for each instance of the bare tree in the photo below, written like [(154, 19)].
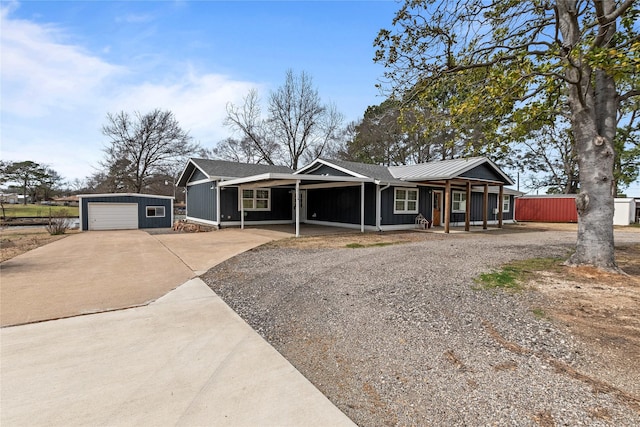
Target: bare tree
[(142, 147), (298, 126)]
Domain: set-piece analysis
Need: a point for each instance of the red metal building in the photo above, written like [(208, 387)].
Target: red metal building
[(547, 208)]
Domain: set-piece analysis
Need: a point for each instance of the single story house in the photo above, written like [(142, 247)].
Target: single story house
[(348, 194), (125, 211)]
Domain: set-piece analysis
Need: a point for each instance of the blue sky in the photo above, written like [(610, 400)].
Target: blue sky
[(66, 64)]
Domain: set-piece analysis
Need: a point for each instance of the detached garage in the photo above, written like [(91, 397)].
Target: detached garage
[(125, 211)]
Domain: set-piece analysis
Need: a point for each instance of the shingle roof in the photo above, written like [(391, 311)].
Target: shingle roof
[(223, 168), (443, 169)]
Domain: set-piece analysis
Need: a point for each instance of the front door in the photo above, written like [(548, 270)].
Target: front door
[(437, 206)]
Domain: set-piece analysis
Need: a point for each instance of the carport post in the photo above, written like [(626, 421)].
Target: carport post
[(362, 207), (241, 208), (298, 208)]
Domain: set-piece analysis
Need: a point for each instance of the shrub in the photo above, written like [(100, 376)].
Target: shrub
[(58, 223)]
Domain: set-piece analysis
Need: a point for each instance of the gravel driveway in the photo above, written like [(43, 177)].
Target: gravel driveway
[(401, 335)]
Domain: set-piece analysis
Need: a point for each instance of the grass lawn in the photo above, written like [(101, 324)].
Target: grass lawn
[(30, 210)]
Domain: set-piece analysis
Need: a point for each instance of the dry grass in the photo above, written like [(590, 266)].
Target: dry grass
[(16, 241)]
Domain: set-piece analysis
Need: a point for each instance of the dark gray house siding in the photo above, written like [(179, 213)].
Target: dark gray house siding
[(387, 199), (197, 176), (201, 201), (476, 208), (482, 172), (341, 205), (281, 206), (143, 202)]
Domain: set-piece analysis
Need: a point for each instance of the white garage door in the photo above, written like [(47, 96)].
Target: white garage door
[(113, 216)]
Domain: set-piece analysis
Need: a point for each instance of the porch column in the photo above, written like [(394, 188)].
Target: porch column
[(378, 207), (241, 208), (467, 210), (500, 194), (447, 206), (298, 208), (218, 203), (485, 205), (362, 207)]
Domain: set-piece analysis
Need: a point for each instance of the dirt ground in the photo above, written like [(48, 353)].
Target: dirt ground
[(600, 308), (18, 240)]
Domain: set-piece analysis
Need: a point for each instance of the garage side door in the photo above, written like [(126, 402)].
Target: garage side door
[(113, 216)]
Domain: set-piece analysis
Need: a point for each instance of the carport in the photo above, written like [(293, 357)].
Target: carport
[(298, 183)]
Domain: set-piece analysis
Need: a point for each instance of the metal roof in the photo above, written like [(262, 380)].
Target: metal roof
[(443, 169), (375, 172)]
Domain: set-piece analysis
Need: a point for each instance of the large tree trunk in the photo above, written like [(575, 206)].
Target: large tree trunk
[(592, 100)]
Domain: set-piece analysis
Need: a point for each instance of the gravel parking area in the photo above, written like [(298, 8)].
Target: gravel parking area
[(402, 335)]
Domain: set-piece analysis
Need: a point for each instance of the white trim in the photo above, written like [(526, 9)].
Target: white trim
[(288, 176), (297, 199), (269, 222), (148, 196), (362, 207), (172, 209), (508, 197), (201, 181), (464, 193), (241, 199), (331, 165), (479, 222), (203, 221), (196, 166), (340, 225), (217, 204), (146, 211), (397, 227), (406, 201)]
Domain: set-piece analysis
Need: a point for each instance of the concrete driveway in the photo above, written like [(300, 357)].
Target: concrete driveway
[(108, 270), (183, 359)]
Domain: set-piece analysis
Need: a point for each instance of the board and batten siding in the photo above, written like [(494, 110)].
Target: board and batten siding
[(341, 205), (387, 199), (482, 172), (476, 208), (197, 175), (281, 206), (201, 201), (141, 201)]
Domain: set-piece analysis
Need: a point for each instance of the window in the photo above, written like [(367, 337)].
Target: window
[(155, 211), (459, 201), (258, 199), (405, 201), (506, 203)]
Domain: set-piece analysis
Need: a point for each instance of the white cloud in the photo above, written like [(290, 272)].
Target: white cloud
[(198, 101), (40, 73), (55, 96)]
